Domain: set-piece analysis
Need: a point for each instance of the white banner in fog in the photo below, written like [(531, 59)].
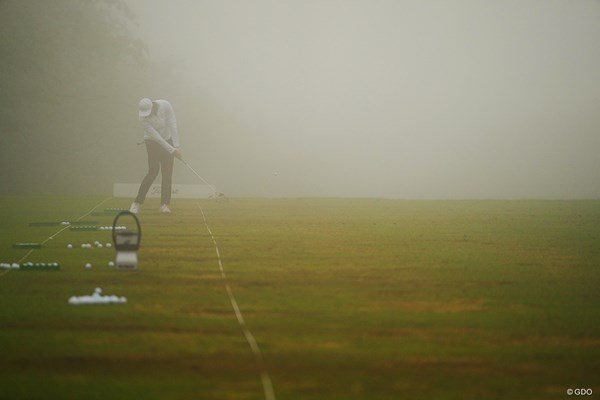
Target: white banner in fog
[(178, 191)]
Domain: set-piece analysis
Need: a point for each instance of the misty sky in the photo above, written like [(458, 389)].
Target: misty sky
[(384, 98)]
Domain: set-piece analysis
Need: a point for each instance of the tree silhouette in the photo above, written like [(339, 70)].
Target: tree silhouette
[(69, 71)]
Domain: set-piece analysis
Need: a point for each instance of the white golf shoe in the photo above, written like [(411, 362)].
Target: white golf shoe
[(135, 208), (165, 209)]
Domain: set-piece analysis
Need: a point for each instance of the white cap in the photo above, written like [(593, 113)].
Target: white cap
[(144, 107)]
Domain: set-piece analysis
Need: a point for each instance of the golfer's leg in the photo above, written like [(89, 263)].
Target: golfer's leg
[(166, 167), (153, 150)]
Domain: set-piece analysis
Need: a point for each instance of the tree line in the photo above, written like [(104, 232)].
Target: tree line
[(71, 73)]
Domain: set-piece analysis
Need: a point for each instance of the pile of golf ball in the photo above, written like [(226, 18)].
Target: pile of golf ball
[(110, 228), (31, 266), (9, 266), (40, 266), (83, 228), (97, 298), (97, 244)]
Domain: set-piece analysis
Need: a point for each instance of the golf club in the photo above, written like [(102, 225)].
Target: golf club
[(216, 194), (195, 173)]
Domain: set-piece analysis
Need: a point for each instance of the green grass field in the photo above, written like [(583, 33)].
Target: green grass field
[(347, 299)]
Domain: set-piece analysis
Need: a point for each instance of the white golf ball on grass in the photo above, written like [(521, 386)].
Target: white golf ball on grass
[(74, 300)]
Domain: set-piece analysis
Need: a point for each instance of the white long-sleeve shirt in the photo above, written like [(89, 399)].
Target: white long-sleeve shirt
[(161, 126)]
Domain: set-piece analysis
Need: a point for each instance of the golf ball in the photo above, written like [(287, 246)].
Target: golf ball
[(111, 264), (74, 300), (88, 266), (108, 245), (99, 245), (69, 246)]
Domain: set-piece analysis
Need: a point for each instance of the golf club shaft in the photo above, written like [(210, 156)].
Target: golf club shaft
[(195, 173), (190, 168)]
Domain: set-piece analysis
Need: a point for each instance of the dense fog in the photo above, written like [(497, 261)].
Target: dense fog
[(387, 98)]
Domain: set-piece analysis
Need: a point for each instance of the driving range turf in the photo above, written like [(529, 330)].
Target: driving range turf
[(347, 299)]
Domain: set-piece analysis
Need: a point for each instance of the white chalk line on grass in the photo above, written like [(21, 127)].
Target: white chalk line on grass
[(56, 234), (264, 375)]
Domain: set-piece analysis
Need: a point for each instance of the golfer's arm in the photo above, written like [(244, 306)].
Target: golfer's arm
[(152, 134)]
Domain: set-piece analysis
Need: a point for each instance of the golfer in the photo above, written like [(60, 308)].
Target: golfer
[(162, 144)]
